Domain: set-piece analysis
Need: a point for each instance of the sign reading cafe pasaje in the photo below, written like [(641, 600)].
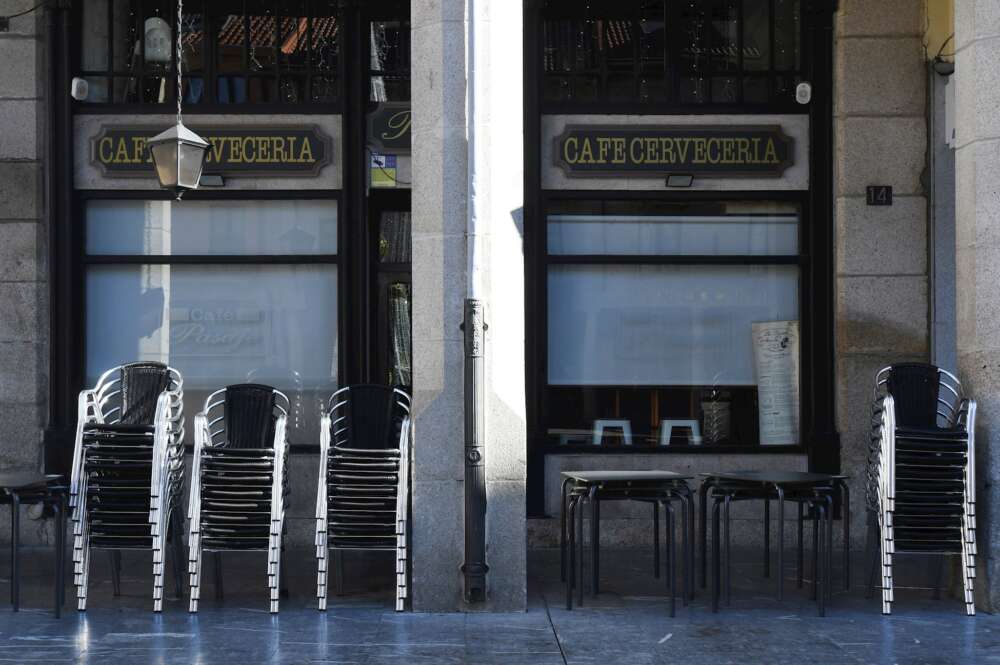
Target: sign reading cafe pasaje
[(732, 151), (247, 150)]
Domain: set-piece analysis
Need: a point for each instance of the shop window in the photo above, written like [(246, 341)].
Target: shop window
[(671, 52), (672, 324), (389, 74), (234, 51), (225, 291)]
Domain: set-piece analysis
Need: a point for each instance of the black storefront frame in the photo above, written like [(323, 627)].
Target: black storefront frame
[(347, 296), (820, 441), (65, 258)]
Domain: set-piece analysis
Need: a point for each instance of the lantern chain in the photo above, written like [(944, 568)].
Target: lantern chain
[(180, 54)]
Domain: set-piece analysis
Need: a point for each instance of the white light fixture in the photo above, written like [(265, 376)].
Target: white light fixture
[(178, 153)]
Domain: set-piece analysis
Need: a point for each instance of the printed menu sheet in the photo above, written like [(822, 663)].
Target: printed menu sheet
[(776, 365)]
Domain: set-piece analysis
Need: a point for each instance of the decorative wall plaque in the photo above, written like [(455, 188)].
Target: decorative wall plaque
[(233, 151), (712, 151)]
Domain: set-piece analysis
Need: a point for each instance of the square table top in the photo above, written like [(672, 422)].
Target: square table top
[(19, 480), (625, 476), (775, 477)]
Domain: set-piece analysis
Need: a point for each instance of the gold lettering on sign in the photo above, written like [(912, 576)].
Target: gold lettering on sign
[(398, 124)]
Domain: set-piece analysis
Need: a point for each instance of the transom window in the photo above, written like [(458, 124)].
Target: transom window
[(235, 51), (675, 52)]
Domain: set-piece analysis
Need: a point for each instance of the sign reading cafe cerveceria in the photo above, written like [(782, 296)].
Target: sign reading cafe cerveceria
[(249, 151), (741, 151)]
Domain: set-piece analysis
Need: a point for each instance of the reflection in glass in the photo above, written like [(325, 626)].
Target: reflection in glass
[(220, 325), (394, 237), (160, 228), (653, 227), (400, 372)]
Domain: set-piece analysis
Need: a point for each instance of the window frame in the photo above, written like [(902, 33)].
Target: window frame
[(341, 262), (209, 75), (572, 9), (537, 312)]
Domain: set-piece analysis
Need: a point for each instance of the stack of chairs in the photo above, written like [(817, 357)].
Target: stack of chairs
[(921, 472), (363, 494), (239, 480), (128, 471)]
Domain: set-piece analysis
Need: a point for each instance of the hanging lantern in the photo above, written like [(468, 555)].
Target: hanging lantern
[(179, 156), (178, 153)]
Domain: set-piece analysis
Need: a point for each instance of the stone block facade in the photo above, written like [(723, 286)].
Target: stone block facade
[(23, 248), (882, 280)]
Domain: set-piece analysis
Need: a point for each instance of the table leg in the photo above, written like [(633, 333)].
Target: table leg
[(583, 564), (571, 573), (685, 544), (728, 556), (595, 540), (716, 551), (845, 493), (671, 558), (64, 514), (689, 499), (767, 538), (15, 550), (816, 564), (562, 530), (781, 544), (828, 573), (799, 552), (821, 577), (703, 523), (114, 557), (656, 539), (57, 578)]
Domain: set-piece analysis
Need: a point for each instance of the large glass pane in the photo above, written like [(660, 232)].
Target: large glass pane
[(647, 228), (673, 355), (756, 35), (96, 40), (161, 228), (221, 325), (786, 34)]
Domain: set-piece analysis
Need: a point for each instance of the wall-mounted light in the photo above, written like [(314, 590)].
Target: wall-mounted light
[(680, 180)]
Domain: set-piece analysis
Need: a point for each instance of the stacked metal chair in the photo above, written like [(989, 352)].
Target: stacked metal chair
[(128, 470), (921, 472), (239, 480), (363, 494)]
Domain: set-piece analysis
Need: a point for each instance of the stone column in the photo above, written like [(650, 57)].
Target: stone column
[(977, 241), (23, 288), (440, 211), (881, 252)]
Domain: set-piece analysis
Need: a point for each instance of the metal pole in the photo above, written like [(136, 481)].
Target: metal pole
[(475, 567)]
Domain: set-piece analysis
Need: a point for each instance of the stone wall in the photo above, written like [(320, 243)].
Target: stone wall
[(881, 252), (977, 240), (440, 212), (23, 286)]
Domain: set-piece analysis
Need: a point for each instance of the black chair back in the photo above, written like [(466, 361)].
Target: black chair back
[(142, 384), (915, 388), (373, 417), (250, 419)]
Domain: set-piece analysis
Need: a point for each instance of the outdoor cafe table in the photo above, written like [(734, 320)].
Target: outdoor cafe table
[(780, 485), (19, 488), (647, 486)]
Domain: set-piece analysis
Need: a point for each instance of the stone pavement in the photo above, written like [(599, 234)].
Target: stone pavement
[(628, 623)]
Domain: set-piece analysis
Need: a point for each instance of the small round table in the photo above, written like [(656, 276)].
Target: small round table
[(23, 488)]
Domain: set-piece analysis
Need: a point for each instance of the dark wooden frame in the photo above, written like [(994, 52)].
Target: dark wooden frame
[(66, 259), (820, 440)]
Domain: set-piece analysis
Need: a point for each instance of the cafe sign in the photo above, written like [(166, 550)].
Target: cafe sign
[(244, 151), (389, 127), (706, 151)]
